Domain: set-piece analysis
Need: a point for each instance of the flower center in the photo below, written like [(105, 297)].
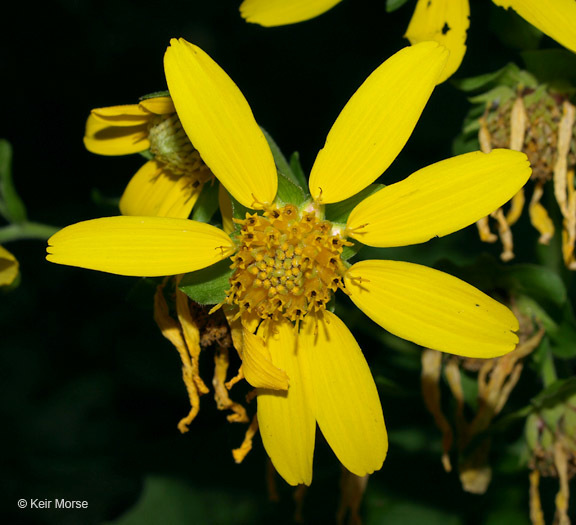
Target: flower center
[(288, 264), (170, 145), (541, 139)]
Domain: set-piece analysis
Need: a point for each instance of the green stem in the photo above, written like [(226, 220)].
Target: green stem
[(26, 230), (548, 370)]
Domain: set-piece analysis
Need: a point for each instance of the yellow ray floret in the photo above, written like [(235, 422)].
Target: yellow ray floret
[(555, 18), (140, 246), (8, 267), (155, 192), (439, 199), (103, 138), (220, 124), (347, 406), (446, 22), (257, 364), (431, 308), (271, 13), (376, 122), (286, 419)]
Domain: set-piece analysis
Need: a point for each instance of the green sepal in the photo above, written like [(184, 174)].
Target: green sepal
[(156, 94), (500, 93), (147, 154), (288, 192), (209, 285), (350, 251), (339, 211), (11, 206), (510, 75), (239, 211), (207, 203), (393, 5), (280, 160), (298, 171)]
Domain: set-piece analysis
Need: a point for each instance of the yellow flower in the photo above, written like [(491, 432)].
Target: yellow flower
[(445, 21), (287, 261), (166, 186), (8, 267)]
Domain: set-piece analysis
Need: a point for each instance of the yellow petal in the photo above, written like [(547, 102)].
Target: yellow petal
[(156, 192), (8, 267), (555, 18), (432, 308), (104, 138), (128, 115), (348, 408), (220, 124), (270, 13), (439, 199), (446, 22), (158, 105), (286, 419), (257, 364), (376, 122), (140, 246)]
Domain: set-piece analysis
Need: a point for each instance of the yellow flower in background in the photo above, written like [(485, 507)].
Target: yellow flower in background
[(444, 21), (170, 183), (8, 267), (270, 13), (287, 259)]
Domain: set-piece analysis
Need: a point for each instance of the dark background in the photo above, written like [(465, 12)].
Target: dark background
[(91, 392)]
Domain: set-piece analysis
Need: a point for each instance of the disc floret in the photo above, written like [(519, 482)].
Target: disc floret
[(288, 264)]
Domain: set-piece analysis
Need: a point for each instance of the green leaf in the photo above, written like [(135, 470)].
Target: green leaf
[(288, 192), (538, 282), (280, 160), (169, 501), (298, 171), (11, 206), (207, 203), (209, 285), (393, 5), (339, 211)]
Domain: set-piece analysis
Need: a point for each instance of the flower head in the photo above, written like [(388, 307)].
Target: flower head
[(288, 259), (170, 183), (542, 123)]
